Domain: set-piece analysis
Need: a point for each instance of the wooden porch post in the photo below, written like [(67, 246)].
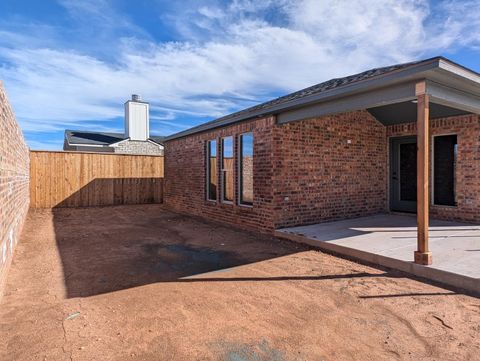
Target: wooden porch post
[(422, 255)]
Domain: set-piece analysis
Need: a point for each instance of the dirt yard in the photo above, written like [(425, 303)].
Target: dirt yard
[(142, 283)]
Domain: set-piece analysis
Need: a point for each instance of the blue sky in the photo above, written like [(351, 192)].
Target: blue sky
[(71, 64)]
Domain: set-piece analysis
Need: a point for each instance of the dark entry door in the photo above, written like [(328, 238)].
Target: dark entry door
[(403, 174)]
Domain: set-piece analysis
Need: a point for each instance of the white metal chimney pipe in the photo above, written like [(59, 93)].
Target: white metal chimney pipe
[(137, 119)]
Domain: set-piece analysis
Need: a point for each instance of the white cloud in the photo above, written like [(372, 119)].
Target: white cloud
[(241, 54), (461, 25)]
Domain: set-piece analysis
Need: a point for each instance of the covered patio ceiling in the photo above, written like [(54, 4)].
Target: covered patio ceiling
[(406, 112), (451, 88), (396, 104)]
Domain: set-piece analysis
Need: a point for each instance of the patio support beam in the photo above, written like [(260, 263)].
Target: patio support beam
[(422, 255)]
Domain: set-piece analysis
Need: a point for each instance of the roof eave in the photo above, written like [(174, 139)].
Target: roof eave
[(88, 145), (156, 142), (416, 71)]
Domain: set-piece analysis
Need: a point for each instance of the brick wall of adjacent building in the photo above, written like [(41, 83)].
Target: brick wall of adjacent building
[(138, 147), (14, 184), (185, 177), (467, 129), (133, 147), (330, 168)]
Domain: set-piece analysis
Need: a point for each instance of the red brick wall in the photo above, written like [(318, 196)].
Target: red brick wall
[(467, 129), (310, 162), (330, 168), (14, 184), (185, 177), (316, 170)]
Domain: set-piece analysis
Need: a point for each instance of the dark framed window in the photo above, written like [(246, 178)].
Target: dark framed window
[(212, 178), (444, 165), (227, 170), (246, 169)]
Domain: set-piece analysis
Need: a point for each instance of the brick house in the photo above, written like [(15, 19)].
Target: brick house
[(344, 148), (135, 140)]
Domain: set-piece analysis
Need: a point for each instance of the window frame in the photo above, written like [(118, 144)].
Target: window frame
[(240, 169), (208, 152), (432, 171), (223, 171)]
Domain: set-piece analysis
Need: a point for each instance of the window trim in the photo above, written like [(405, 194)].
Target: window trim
[(240, 171), (222, 170), (208, 170), (432, 172)]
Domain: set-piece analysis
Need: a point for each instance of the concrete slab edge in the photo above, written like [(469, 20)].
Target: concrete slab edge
[(458, 281)]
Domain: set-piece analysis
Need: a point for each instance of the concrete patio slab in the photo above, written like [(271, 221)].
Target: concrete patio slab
[(390, 240)]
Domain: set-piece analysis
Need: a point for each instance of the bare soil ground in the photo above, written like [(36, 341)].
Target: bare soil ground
[(143, 283)]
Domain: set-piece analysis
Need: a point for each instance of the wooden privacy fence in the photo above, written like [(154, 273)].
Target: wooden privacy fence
[(72, 179)]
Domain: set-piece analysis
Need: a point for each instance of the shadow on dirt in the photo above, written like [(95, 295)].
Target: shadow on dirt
[(106, 249)]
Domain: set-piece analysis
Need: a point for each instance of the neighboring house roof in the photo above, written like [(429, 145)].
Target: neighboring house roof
[(158, 139), (334, 88), (101, 139), (92, 138)]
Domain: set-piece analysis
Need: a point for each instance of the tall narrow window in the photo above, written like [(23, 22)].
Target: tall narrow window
[(212, 179), (246, 169), (227, 169), (444, 164)]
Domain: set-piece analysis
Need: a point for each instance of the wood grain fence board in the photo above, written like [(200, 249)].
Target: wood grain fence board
[(73, 179)]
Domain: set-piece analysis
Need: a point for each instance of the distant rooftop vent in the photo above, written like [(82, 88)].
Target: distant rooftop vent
[(136, 98)]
